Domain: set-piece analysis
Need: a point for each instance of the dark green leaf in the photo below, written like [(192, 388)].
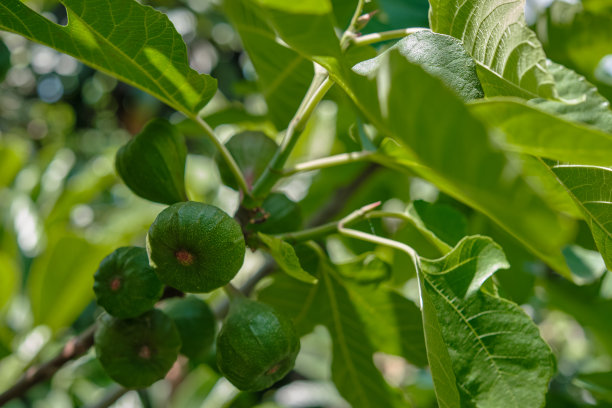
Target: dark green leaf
[(5, 60), (444, 221), (152, 164), (252, 152)]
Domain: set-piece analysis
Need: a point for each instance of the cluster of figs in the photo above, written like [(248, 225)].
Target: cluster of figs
[(191, 247)]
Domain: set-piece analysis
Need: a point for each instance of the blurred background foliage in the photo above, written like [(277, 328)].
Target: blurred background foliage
[(62, 208)]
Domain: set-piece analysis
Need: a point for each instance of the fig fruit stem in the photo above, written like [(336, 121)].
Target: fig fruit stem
[(319, 86), (233, 292), (225, 154), (368, 39), (354, 25), (330, 161)]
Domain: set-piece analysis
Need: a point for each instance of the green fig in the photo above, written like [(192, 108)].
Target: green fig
[(252, 152), (137, 352), (125, 284), (195, 247), (257, 346), (195, 323), (152, 164), (280, 214)]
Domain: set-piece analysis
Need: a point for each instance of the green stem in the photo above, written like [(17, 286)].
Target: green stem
[(350, 31), (330, 161), (225, 154), (330, 227), (384, 36), (318, 88), (232, 292)]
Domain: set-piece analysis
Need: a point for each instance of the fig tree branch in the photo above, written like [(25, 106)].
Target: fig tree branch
[(73, 349)]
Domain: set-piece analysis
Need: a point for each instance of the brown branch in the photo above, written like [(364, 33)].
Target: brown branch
[(338, 201), (74, 348)]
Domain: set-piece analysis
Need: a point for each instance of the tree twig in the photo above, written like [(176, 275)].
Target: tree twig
[(73, 349), (337, 202)]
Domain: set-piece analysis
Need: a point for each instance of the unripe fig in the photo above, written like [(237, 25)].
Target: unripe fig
[(152, 164), (252, 152), (281, 215), (195, 323), (137, 352), (257, 346), (125, 284), (195, 247)]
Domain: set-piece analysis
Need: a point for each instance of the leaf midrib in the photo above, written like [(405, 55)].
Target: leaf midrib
[(340, 335), (576, 199), (499, 376), (169, 98)]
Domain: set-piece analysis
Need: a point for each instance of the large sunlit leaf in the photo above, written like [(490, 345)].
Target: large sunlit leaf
[(530, 130), (361, 321), (125, 39), (284, 75), (459, 158), (510, 58), (456, 155), (581, 101), (498, 357), (317, 37), (441, 56), (591, 188)]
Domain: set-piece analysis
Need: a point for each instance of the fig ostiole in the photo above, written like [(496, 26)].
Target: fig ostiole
[(257, 346), (195, 247), (125, 285)]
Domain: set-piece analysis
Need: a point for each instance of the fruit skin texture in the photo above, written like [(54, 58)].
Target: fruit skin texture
[(195, 322), (125, 284), (195, 247), (257, 346), (137, 352)]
